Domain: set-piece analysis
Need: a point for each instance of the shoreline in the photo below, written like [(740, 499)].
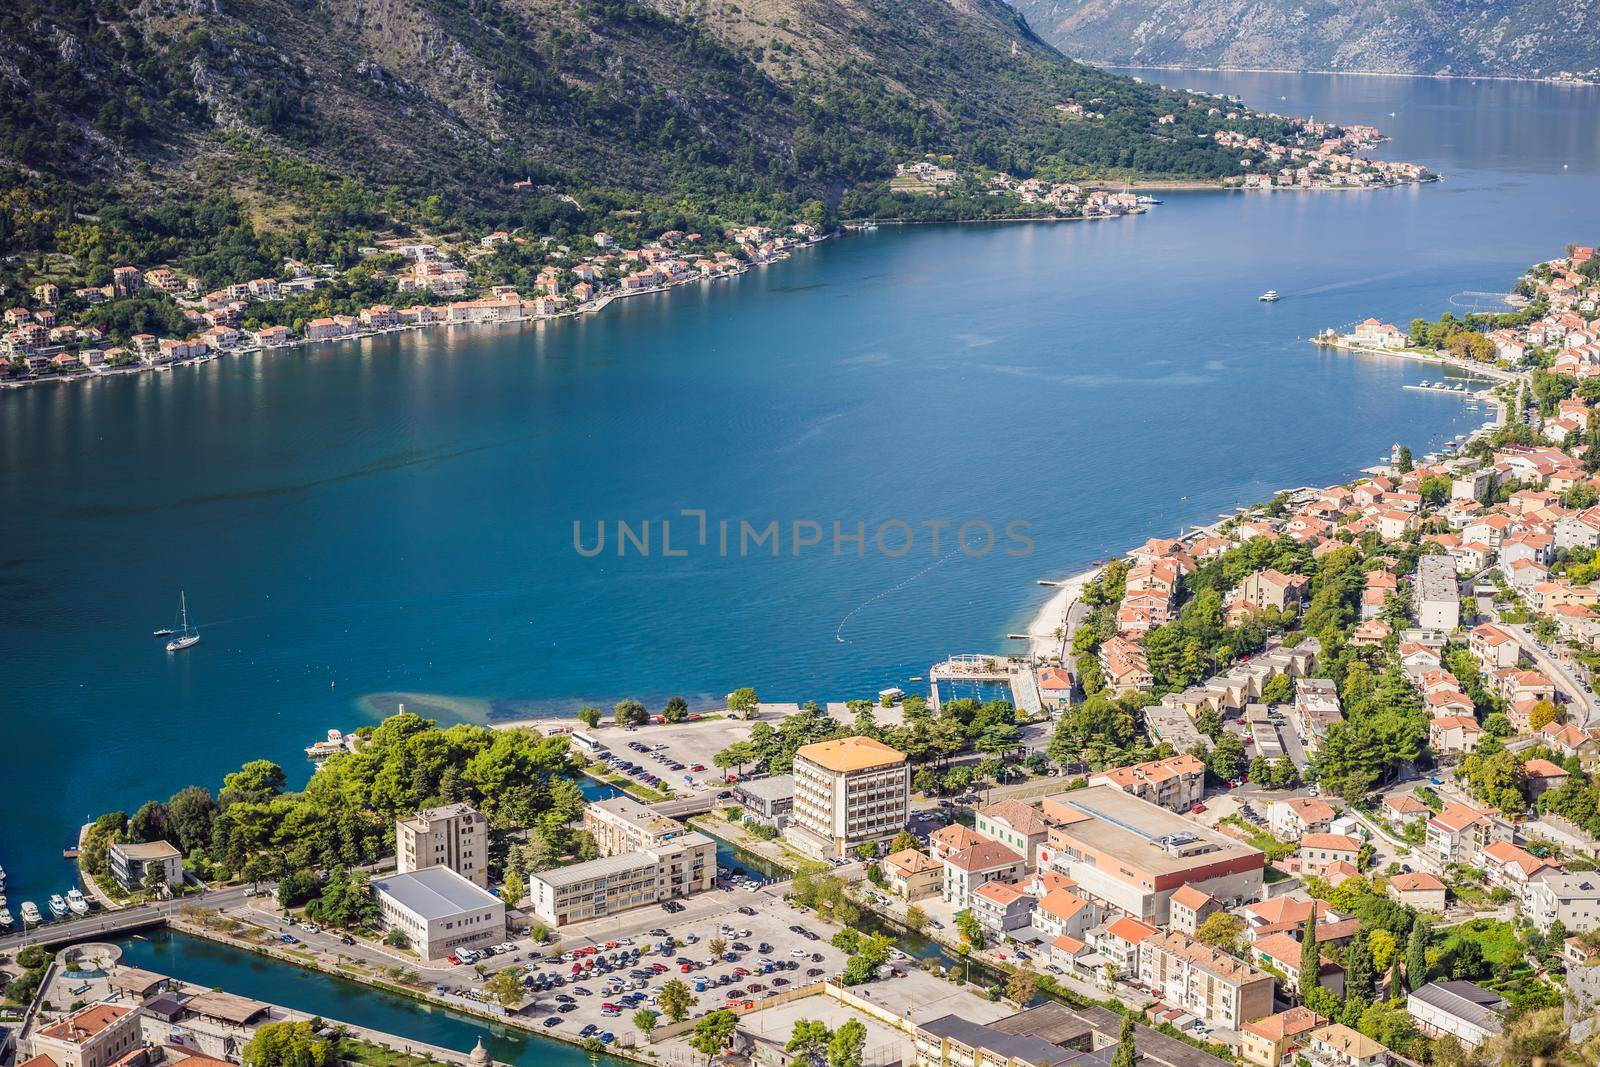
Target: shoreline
[(1119, 65)]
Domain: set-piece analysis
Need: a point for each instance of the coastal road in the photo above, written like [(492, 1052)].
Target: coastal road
[(113, 923)]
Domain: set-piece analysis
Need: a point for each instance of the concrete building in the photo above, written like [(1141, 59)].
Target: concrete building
[(622, 824), (1177, 783), (1217, 988), (847, 792), (1336, 1045), (1573, 898), (767, 800), (1292, 818), (1189, 907), (1437, 594), (130, 861), (967, 869), (1419, 890), (439, 911), (1460, 832), (1467, 1012), (453, 836), (1131, 855), (676, 867), (1001, 907), (96, 1036)]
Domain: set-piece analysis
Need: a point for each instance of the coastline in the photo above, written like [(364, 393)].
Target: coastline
[(1105, 64), (1053, 613), (592, 307)]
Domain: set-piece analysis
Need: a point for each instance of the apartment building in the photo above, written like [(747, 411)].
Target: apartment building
[(1204, 981), (676, 867), (847, 792), (1268, 1042), (967, 869), (1177, 783), (1131, 855), (132, 861), (1018, 826), (452, 835), (1050, 1035), (622, 824), (1460, 832), (1437, 594), (1336, 1045), (1572, 898)]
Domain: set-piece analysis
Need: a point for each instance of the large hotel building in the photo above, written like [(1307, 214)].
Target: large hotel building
[(848, 792)]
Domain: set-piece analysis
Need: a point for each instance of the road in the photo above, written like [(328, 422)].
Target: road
[(1569, 677), (110, 922)]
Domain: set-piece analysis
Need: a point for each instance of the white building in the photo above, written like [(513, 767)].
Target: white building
[(848, 792), (676, 867), (1467, 1012), (439, 911), (1438, 596), (1571, 897)]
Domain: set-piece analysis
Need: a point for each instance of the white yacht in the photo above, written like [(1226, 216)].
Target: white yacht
[(77, 902), (5, 917), (58, 905), (30, 913), (2, 877), (187, 637), (1270, 296)]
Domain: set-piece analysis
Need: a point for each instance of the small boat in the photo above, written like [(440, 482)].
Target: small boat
[(30, 913), (77, 902), (1270, 296), (165, 631), (6, 918), (187, 638), (2, 877), (58, 905)]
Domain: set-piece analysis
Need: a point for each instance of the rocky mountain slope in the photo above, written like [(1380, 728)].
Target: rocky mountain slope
[(167, 120), (1518, 38)]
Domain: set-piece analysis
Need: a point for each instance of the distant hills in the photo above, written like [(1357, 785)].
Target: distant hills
[(1518, 38)]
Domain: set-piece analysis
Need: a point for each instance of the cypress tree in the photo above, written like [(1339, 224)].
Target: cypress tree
[(1310, 955), (1394, 977), (1417, 956)]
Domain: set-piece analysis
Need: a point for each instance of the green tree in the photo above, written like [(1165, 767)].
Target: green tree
[(970, 929), (904, 840), (257, 781), (645, 1020), (676, 1000), (717, 946), (590, 717), (346, 900), (1221, 929), (1417, 956), (288, 1044), (742, 702), (513, 889), (154, 883), (505, 988), (809, 1041), (1021, 987), (848, 1043), (916, 919), (1310, 955), (712, 1033), (676, 710), (1227, 759), (1127, 1054), (190, 812), (629, 712)]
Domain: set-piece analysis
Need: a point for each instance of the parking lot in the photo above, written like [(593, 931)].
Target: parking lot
[(601, 984), (672, 752)]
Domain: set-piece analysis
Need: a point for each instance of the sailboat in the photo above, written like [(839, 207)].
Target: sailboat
[(186, 637)]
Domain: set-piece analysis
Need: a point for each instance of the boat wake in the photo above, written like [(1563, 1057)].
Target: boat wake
[(838, 634)]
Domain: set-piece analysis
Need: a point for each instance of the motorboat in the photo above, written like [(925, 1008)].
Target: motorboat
[(58, 906), (6, 918), (1270, 296), (30, 913), (77, 903)]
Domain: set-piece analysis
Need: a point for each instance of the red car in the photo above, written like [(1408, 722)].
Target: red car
[(1197, 809)]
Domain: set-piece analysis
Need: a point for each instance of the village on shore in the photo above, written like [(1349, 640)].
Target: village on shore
[(41, 343), (1315, 784)]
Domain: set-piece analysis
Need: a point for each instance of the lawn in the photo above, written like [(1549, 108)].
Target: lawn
[(376, 1056)]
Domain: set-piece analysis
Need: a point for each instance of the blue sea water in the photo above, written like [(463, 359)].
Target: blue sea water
[(393, 520)]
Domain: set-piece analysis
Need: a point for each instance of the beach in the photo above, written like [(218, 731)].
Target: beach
[(1043, 641)]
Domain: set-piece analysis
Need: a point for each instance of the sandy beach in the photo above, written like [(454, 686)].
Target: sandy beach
[(1052, 616)]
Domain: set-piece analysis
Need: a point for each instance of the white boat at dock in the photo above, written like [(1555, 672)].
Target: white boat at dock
[(77, 903), (30, 913), (58, 906), (6, 918)]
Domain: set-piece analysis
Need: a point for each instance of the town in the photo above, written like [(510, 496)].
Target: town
[(51, 340), (1317, 783)]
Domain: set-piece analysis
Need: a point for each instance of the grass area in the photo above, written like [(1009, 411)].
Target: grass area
[(644, 792), (376, 1056), (1261, 839), (1497, 939)]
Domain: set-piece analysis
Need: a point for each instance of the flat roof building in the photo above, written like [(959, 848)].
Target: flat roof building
[(130, 861), (677, 867), (1438, 594), (767, 800), (1131, 855), (848, 792), (439, 911)]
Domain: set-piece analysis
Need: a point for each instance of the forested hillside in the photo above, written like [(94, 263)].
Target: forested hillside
[(224, 134)]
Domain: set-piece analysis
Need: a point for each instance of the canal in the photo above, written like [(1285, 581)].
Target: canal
[(206, 963)]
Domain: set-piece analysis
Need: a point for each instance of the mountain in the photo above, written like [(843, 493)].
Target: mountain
[(154, 130), (1513, 38)]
